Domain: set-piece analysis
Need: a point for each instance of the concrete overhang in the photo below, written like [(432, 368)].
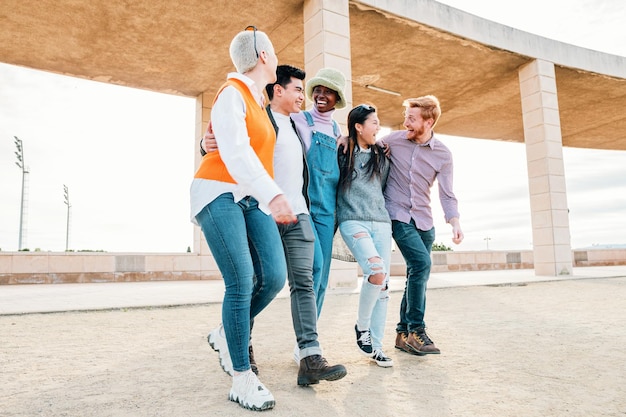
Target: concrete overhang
[(410, 47)]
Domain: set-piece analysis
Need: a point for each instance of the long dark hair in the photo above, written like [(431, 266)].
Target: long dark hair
[(377, 161)]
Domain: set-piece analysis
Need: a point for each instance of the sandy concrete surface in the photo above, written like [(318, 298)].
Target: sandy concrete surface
[(537, 349)]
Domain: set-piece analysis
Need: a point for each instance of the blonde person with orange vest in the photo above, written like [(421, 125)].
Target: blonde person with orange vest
[(236, 202)]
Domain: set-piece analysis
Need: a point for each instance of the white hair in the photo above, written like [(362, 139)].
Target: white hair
[(242, 51)]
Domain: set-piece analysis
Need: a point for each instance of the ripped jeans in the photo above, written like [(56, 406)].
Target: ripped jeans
[(370, 244)]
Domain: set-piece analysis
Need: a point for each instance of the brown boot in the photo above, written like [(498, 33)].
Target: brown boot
[(419, 342), (315, 368), (401, 343)]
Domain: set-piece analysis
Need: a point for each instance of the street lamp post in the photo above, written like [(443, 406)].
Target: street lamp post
[(66, 201), (487, 239), (23, 205)]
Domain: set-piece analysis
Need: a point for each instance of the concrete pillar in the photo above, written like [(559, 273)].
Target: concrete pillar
[(327, 44), (546, 175)]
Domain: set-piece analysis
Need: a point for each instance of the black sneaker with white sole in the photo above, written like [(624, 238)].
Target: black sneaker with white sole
[(381, 359), (364, 341)]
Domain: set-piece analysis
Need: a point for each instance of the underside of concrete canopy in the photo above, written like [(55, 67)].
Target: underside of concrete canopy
[(409, 47), (488, 77)]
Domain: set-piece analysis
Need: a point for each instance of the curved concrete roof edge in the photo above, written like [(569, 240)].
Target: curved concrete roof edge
[(489, 33)]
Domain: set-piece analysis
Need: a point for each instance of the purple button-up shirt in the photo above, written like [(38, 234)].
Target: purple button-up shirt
[(414, 168)]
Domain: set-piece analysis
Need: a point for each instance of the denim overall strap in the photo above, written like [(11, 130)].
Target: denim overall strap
[(324, 177), (336, 130), (324, 171), (309, 118)]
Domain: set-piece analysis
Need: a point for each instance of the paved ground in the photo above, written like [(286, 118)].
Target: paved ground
[(45, 298), (512, 345)]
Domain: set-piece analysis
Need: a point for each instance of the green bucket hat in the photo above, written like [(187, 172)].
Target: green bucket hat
[(329, 78)]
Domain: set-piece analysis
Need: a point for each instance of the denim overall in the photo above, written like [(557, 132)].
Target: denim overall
[(324, 176)]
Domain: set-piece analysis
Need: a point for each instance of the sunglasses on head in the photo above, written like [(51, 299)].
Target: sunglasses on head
[(253, 29)]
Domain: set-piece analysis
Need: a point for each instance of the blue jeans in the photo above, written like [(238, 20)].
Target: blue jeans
[(367, 240), (324, 230), (248, 251), (324, 176), (415, 246), (298, 244)]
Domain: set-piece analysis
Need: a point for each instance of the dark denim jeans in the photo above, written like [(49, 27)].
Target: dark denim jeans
[(248, 251), (415, 246)]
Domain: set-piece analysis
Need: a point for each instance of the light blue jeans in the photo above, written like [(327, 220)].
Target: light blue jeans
[(249, 253), (367, 241), (324, 176), (324, 230)]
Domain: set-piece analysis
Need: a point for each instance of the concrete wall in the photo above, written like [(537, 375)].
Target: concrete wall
[(59, 267)]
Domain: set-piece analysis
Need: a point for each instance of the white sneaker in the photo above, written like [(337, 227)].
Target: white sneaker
[(217, 340), (381, 359), (296, 354), (250, 393)]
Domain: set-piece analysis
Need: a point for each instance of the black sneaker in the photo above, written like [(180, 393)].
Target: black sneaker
[(364, 341), (381, 359)]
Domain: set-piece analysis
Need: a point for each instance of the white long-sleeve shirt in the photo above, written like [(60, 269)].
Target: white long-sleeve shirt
[(228, 117)]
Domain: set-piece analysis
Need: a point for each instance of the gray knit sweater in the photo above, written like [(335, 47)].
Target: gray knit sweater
[(364, 199)]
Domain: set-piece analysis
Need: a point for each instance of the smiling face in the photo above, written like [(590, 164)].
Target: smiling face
[(366, 132), (324, 99), (417, 129), (289, 98)]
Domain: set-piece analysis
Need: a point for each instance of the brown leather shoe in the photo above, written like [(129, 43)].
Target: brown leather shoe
[(315, 368), (419, 342), (401, 343), (253, 366)]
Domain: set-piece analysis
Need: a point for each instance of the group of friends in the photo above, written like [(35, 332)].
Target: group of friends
[(275, 184)]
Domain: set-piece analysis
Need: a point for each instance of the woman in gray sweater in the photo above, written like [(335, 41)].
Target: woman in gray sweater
[(365, 226)]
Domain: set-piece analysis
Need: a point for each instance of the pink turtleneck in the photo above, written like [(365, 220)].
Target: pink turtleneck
[(323, 123)]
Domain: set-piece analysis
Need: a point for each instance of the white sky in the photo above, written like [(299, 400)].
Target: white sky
[(127, 156)]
